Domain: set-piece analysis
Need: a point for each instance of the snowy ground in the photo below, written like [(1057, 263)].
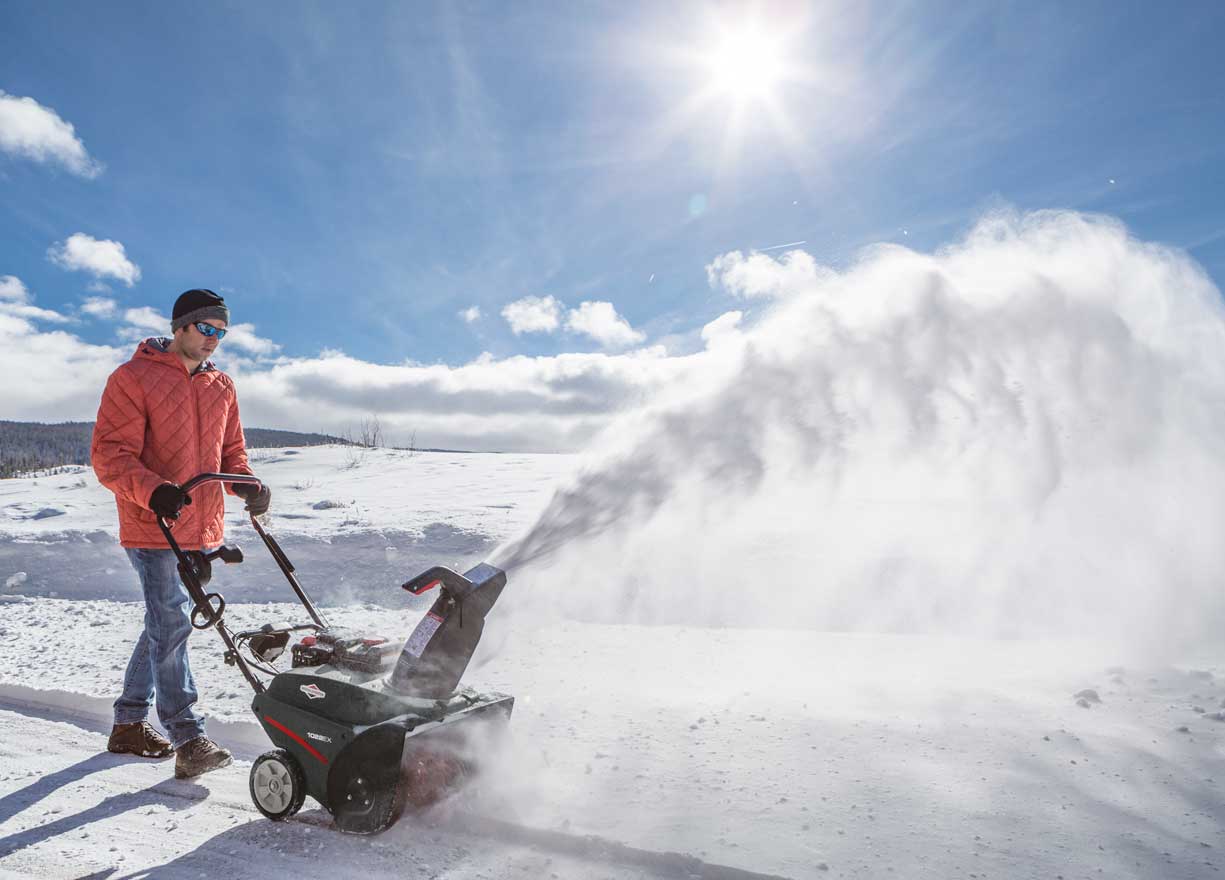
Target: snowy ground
[(356, 520), (665, 751)]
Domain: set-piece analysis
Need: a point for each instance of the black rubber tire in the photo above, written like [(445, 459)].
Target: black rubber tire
[(372, 799), (277, 785), (364, 789)]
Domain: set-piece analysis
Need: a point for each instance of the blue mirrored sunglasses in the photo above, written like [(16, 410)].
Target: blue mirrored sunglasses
[(210, 330)]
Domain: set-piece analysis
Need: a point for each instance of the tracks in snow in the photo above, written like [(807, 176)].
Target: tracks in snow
[(81, 793)]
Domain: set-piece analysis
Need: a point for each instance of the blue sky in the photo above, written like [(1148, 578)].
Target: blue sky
[(355, 178)]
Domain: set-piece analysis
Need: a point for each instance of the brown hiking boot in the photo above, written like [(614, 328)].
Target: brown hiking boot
[(199, 755), (138, 738)]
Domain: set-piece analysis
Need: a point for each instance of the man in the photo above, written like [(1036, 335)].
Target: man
[(167, 415)]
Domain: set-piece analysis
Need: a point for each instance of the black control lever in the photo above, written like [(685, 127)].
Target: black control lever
[(226, 554)]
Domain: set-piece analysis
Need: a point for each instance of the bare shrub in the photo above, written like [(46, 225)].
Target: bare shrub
[(368, 434)]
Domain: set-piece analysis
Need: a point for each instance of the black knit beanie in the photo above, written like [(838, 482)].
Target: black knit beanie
[(196, 305)]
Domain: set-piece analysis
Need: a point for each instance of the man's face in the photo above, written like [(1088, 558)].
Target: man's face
[(197, 345)]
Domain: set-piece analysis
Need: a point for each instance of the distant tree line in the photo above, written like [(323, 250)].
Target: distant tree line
[(34, 446)]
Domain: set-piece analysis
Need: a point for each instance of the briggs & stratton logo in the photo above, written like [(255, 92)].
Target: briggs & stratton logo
[(313, 691)]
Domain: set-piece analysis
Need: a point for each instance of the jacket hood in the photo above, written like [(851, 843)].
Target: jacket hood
[(157, 348)]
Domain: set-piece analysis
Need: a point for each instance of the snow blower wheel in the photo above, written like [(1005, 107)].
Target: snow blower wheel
[(365, 792), (278, 786)]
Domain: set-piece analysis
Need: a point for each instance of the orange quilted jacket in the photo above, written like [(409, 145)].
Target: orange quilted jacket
[(159, 424)]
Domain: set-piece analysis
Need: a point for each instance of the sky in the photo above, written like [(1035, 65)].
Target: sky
[(493, 225)]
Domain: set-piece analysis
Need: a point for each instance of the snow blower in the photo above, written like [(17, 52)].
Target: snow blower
[(363, 730)]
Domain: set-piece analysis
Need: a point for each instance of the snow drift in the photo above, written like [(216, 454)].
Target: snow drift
[(1019, 434)]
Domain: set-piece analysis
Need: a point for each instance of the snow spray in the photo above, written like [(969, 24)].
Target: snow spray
[(1022, 433)]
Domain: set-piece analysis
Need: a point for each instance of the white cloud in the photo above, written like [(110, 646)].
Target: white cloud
[(517, 403), (533, 314), (99, 307), (61, 375), (243, 337), (34, 313), (721, 327), (16, 302), (600, 321), (470, 315), (147, 320), (32, 131), (101, 258), (760, 275), (13, 289)]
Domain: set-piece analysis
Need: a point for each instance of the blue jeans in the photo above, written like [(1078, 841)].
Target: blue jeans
[(159, 660)]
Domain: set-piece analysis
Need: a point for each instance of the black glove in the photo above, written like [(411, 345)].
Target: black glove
[(258, 497), (167, 500)]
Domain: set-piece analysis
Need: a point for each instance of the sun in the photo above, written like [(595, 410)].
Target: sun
[(746, 64), (746, 77)]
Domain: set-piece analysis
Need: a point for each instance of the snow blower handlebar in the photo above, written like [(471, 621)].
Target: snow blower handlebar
[(198, 479), (195, 571)]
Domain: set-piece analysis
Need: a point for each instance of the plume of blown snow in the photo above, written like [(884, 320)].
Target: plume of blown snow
[(1020, 434)]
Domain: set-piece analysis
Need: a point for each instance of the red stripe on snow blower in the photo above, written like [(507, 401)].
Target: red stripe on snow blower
[(303, 743)]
